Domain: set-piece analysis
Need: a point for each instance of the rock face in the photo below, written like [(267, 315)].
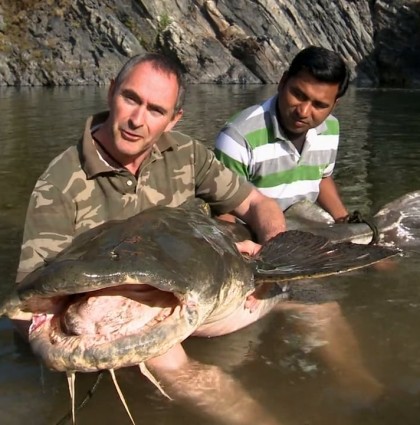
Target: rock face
[(78, 42)]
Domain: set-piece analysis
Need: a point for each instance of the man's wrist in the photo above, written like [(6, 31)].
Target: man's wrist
[(342, 219)]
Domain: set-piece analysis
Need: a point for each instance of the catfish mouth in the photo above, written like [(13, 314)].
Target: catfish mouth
[(112, 327)]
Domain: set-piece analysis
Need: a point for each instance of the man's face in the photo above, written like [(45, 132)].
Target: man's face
[(141, 109), (304, 102)]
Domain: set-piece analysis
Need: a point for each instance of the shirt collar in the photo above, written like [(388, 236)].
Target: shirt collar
[(92, 162), (278, 131)]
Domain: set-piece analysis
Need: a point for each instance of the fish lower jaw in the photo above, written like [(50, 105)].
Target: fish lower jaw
[(88, 353)]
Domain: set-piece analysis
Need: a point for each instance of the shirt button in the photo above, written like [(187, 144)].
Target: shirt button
[(129, 183)]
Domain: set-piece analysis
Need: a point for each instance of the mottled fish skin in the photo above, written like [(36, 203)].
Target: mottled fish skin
[(397, 222), (179, 251), (180, 268)]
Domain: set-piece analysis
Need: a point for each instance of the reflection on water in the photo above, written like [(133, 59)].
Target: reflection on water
[(379, 150), (378, 161)]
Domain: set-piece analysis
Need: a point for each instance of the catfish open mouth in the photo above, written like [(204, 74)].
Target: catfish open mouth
[(111, 328)]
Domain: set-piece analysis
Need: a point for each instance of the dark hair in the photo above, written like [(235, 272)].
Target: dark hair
[(159, 62), (322, 64)]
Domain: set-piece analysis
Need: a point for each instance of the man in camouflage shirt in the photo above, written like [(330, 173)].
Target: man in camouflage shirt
[(129, 160)]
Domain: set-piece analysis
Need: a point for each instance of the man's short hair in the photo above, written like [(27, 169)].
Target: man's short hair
[(161, 63), (322, 64)]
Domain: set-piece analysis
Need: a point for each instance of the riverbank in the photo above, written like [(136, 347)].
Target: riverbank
[(84, 42)]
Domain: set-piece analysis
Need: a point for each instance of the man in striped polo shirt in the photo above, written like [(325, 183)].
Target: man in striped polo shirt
[(287, 145)]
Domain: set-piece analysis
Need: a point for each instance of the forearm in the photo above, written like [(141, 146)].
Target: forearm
[(329, 199), (263, 215), (207, 390)]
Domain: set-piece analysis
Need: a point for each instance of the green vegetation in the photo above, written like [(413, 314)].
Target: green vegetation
[(133, 26), (164, 20), (147, 35)]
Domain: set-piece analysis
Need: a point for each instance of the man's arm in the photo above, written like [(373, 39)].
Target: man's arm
[(329, 199), (262, 214), (48, 229), (207, 389)]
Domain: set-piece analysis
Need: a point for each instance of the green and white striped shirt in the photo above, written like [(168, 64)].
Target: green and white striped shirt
[(253, 145)]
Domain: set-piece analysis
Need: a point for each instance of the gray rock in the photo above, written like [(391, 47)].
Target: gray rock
[(85, 42)]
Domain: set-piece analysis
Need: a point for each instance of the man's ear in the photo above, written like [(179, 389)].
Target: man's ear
[(282, 80), (111, 91), (174, 120)]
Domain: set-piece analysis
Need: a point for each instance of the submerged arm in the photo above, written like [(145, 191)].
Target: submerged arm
[(207, 389)]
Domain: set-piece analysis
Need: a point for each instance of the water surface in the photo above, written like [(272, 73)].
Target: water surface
[(378, 161)]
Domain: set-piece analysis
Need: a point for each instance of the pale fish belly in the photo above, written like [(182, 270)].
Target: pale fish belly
[(255, 306)]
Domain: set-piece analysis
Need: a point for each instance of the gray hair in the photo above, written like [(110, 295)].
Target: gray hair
[(159, 62)]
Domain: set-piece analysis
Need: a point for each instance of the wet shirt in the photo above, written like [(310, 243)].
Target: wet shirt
[(253, 145), (79, 190)]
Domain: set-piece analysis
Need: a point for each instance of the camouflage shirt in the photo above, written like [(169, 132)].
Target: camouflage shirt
[(80, 190)]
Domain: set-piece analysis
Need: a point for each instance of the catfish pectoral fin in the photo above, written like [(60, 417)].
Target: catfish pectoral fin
[(295, 255)]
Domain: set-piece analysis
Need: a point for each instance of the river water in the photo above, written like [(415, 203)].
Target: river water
[(378, 161)]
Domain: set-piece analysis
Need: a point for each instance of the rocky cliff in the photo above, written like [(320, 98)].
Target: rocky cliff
[(65, 42)]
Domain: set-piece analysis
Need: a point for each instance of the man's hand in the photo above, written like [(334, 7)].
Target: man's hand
[(248, 247), (262, 214), (329, 199)]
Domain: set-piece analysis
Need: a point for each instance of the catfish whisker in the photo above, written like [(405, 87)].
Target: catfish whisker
[(117, 387), (71, 377), (146, 372)]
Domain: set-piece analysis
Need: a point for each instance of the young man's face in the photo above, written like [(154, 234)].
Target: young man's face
[(142, 107), (304, 102)]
